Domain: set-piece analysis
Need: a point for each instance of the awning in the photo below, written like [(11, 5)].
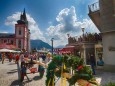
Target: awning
[(69, 47), (65, 52)]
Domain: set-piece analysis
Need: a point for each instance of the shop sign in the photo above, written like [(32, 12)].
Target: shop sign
[(111, 48)]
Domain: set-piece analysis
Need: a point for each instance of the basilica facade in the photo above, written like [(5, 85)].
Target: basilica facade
[(21, 37)]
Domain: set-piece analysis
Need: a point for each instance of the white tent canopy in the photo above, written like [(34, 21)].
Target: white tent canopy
[(7, 50), (42, 51)]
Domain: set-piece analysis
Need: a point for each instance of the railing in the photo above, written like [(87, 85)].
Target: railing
[(94, 7)]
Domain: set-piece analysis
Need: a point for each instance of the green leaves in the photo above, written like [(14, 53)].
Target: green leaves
[(81, 71)]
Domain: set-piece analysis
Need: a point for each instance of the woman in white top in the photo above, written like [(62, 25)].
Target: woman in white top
[(48, 59)]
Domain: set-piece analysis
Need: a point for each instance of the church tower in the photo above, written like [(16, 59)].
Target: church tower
[(22, 33)]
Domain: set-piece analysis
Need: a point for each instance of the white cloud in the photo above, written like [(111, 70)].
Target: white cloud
[(11, 20), (68, 23), (36, 33), (67, 18), (4, 32)]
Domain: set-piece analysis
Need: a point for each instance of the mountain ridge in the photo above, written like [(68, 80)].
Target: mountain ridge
[(39, 44)]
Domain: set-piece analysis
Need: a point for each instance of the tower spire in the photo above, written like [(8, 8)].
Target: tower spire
[(24, 15), (24, 11), (23, 18)]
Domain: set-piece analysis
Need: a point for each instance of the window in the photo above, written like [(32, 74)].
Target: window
[(8, 40), (12, 42), (19, 43), (5, 41), (20, 32)]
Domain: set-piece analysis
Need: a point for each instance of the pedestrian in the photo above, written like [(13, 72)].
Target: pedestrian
[(34, 57), (0, 57), (22, 59), (31, 58), (17, 58), (48, 58), (41, 69), (46, 61), (13, 57), (10, 57), (31, 62), (23, 72), (3, 58), (92, 63), (43, 57), (100, 62)]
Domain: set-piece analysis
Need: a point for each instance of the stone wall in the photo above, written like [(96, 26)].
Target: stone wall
[(107, 15), (109, 50)]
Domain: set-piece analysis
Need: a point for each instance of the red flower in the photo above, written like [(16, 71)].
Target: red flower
[(79, 67)]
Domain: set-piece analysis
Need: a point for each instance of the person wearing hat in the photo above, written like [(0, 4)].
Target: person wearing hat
[(48, 58)]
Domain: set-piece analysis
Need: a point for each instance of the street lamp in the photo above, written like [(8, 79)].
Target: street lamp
[(52, 44), (83, 32)]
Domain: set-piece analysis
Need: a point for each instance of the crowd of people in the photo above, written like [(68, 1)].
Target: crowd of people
[(45, 58), (10, 56), (20, 58), (32, 59)]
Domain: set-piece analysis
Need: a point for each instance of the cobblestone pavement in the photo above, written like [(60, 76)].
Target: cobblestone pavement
[(104, 77), (9, 77)]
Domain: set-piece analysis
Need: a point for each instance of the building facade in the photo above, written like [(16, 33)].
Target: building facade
[(21, 37), (85, 45), (102, 14)]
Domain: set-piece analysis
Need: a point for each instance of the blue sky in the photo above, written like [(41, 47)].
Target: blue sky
[(48, 18)]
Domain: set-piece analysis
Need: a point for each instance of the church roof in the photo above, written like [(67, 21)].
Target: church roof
[(7, 35)]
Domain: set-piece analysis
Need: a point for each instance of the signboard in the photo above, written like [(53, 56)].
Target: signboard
[(111, 48)]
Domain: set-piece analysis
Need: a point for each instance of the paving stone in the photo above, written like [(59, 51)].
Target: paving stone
[(9, 77)]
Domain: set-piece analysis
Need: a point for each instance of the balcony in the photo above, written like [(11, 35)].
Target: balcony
[(94, 14), (94, 7)]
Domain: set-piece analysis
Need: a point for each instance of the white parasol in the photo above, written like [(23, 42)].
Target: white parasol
[(8, 50)]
